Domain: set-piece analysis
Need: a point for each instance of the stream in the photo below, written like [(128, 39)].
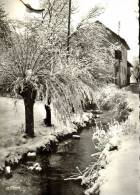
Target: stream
[(55, 168)]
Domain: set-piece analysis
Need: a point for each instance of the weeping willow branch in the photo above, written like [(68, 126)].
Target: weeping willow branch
[(41, 65)]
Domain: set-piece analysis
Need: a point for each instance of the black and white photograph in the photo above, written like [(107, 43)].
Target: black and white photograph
[(69, 97)]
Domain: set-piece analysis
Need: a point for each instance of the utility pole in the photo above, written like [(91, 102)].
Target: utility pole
[(119, 27), (68, 35)]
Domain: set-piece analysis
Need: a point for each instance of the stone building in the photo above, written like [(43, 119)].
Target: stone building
[(100, 47), (121, 65)]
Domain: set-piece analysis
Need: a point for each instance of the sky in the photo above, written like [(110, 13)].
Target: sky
[(123, 11)]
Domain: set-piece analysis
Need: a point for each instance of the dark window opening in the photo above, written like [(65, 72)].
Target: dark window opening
[(118, 54)]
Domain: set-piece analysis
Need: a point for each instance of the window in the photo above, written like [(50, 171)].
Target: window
[(118, 54)]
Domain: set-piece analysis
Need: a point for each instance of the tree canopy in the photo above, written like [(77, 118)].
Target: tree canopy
[(35, 65), (3, 25), (136, 69), (93, 46), (40, 62)]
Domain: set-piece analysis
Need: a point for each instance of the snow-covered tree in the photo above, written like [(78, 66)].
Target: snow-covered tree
[(35, 65), (136, 69), (3, 25), (94, 47)]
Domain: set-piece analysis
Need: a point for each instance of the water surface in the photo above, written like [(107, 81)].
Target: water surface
[(55, 168)]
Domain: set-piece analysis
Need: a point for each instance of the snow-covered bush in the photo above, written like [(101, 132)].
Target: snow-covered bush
[(112, 98), (109, 97), (101, 137), (81, 120), (104, 141)]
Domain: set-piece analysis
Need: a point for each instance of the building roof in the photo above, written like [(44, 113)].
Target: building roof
[(116, 35)]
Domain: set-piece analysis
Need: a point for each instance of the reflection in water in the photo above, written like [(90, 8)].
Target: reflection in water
[(55, 168)]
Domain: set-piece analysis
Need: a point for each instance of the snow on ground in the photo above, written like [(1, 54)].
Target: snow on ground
[(121, 176), (118, 166), (13, 144), (12, 128)]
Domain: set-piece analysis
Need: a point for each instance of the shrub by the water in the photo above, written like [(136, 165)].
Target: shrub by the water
[(112, 98)]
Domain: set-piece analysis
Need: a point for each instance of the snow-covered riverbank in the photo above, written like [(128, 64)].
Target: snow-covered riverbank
[(121, 176), (116, 172), (13, 145)]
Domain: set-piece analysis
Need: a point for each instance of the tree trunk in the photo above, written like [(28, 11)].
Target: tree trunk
[(29, 117), (28, 93), (47, 120)]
